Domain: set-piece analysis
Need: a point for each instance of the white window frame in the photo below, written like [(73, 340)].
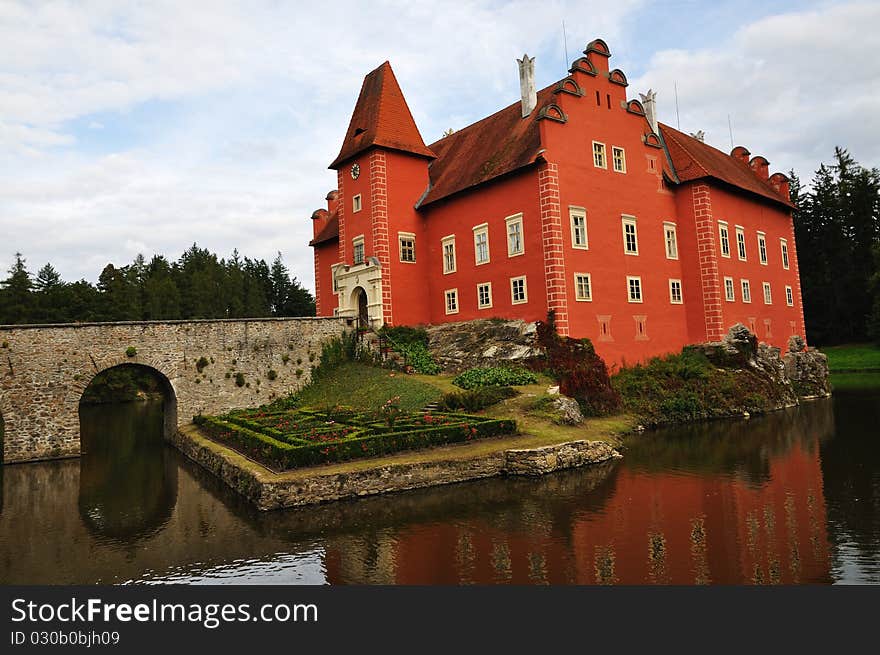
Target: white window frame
[(358, 241), (447, 294), (578, 212), (625, 220), (406, 236), (577, 287), (483, 228), (762, 248), (614, 151), (672, 300), (513, 300), (448, 240), (516, 219), (789, 295), (669, 226), (629, 295), (741, 252), (783, 249), (333, 279), (603, 153), (356, 204), (729, 286), (480, 305), (724, 238), (768, 293), (745, 288)]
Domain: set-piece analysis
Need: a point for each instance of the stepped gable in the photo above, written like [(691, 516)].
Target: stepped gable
[(381, 118), (693, 159)]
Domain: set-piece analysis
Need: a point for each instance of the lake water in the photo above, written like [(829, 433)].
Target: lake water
[(793, 497)]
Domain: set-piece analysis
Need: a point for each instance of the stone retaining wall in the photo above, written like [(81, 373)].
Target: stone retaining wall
[(268, 490)]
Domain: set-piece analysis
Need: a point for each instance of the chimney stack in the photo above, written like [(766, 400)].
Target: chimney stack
[(527, 84), (650, 105)]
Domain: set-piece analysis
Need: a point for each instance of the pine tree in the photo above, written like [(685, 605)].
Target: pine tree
[(16, 297)]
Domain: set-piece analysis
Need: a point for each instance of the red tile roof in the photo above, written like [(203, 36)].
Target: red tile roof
[(381, 118), (499, 144), (693, 159), (329, 233)]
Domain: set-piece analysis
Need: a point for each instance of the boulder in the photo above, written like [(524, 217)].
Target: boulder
[(457, 347), (568, 411), (807, 369)]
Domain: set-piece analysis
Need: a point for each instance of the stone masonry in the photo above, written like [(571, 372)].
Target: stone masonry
[(45, 369)]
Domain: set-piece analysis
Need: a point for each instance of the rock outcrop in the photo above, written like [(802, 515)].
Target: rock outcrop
[(807, 369), (457, 347)]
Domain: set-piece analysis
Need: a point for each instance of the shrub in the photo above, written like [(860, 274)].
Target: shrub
[(239, 379), (473, 400), (285, 358), (494, 376), (272, 374), (131, 351), (201, 364), (580, 372), (412, 343)]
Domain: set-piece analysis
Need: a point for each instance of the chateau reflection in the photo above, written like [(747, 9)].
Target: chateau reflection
[(732, 502)]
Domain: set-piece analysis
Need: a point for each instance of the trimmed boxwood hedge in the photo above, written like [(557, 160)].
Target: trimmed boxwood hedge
[(281, 451)]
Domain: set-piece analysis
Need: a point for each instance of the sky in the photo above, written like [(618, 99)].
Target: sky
[(145, 127)]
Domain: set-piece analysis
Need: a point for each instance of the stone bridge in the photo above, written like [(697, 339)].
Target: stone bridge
[(44, 370)]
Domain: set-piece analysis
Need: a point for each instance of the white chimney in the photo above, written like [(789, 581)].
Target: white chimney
[(650, 105), (527, 84)]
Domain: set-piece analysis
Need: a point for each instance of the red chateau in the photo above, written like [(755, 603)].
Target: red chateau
[(575, 200)]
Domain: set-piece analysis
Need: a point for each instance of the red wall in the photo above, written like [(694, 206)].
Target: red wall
[(490, 204), (326, 254)]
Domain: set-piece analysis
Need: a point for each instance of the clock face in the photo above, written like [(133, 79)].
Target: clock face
[(355, 171)]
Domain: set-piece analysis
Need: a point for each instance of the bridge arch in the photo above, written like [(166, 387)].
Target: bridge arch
[(169, 393)]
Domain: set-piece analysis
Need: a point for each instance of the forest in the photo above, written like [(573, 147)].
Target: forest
[(197, 285)]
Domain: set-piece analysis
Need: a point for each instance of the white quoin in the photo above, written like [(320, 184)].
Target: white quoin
[(650, 104), (527, 84)]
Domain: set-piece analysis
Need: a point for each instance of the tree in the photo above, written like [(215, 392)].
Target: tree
[(16, 298)]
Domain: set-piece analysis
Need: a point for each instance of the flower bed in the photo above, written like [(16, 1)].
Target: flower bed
[(301, 437)]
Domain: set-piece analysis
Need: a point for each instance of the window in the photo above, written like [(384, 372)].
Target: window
[(448, 244), (518, 292), (641, 328), (481, 244), (671, 241), (630, 238), (729, 293), (675, 296), (484, 295), (578, 228), (724, 234), (605, 328), (746, 291), (753, 325), (618, 159), (634, 288), (515, 244), (356, 203), (358, 249), (768, 332), (789, 296), (741, 243), (451, 301), (334, 271), (768, 297), (762, 248), (599, 155), (783, 245), (407, 247), (583, 289)]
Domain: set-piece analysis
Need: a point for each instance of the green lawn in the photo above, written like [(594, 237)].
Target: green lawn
[(853, 357), (365, 388), (855, 381)]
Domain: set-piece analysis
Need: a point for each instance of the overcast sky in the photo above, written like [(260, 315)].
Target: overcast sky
[(131, 128)]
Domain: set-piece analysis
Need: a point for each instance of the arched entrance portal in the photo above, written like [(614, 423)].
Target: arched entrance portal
[(128, 479), (363, 315)]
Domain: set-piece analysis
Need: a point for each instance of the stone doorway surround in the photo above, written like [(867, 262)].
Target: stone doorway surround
[(350, 280)]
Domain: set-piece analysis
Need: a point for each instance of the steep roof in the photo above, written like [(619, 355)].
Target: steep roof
[(329, 233), (693, 159), (381, 118), (498, 144)]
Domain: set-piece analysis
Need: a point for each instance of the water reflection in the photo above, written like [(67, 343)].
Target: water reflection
[(127, 486), (788, 498)]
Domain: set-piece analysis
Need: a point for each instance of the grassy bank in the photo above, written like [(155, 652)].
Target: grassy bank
[(855, 357)]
